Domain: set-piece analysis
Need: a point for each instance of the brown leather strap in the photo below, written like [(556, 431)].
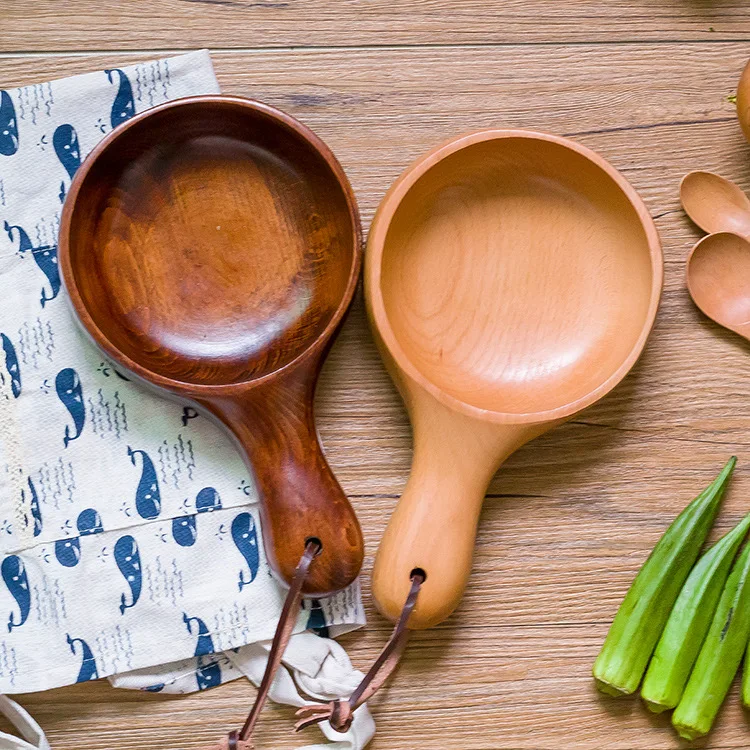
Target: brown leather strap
[(284, 629), (340, 713)]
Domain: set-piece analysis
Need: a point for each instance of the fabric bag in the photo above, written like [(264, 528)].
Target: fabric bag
[(129, 532)]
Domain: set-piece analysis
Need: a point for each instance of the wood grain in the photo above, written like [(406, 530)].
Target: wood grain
[(717, 266), (159, 254), (45, 25), (572, 515), (512, 279)]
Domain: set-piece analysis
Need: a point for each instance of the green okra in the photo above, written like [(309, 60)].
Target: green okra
[(644, 611), (746, 679), (689, 622), (720, 655)]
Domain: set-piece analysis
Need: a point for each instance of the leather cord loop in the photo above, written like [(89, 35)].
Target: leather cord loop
[(340, 712), (283, 633)]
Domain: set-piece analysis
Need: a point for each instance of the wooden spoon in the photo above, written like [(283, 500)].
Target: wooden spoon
[(715, 204), (718, 278), (512, 279), (743, 101), (211, 246)]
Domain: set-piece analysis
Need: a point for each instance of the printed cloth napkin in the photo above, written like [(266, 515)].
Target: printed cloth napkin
[(129, 528)]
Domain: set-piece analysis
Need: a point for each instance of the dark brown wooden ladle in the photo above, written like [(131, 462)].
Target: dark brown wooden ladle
[(211, 246)]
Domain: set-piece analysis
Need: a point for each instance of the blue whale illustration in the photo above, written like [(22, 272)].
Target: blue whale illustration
[(14, 574), (8, 125), (157, 688), (89, 522), (317, 621), (207, 500), (11, 365), (184, 530), (68, 551), (245, 537), (123, 107), (204, 644), (88, 663), (128, 560), (208, 675), (25, 244), (65, 143), (45, 257), (68, 387), (36, 514), (147, 496)]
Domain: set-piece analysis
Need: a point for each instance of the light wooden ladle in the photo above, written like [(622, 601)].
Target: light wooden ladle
[(512, 279)]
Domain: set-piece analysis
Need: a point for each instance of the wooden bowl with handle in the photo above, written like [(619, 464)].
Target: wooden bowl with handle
[(211, 246), (511, 279)]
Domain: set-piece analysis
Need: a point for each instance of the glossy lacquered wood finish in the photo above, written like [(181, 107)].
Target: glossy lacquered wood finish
[(512, 279), (211, 246)]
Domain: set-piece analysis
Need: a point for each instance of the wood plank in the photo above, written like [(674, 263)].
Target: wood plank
[(573, 514), (167, 24)]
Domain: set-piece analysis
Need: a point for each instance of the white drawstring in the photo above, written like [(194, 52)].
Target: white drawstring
[(318, 667), (32, 733), (321, 668)]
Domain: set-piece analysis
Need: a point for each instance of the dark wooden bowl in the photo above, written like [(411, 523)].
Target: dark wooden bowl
[(211, 246)]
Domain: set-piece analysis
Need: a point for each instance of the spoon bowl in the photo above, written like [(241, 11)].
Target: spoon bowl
[(743, 101), (512, 279), (718, 279), (715, 204), (211, 246)]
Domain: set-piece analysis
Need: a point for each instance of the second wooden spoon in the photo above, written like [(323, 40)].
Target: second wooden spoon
[(718, 278)]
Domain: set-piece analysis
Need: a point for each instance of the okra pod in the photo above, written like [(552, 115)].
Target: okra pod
[(746, 677), (644, 611), (720, 655), (689, 622)]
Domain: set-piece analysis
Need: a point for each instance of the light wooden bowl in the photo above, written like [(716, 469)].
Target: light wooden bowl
[(512, 279)]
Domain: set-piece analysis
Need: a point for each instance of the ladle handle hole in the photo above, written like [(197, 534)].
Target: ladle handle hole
[(434, 526)]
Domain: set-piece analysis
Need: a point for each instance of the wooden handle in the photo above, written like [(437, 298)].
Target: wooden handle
[(434, 525), (299, 496)]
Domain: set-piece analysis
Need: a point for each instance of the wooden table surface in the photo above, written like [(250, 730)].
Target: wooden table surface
[(571, 516)]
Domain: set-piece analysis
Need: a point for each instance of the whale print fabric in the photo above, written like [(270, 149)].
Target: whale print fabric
[(129, 529)]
